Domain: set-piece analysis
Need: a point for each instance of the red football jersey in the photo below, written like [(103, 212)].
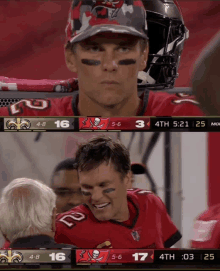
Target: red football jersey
[(151, 226), (152, 104), (206, 229)]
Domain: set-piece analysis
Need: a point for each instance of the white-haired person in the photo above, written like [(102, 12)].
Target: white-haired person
[(27, 214)]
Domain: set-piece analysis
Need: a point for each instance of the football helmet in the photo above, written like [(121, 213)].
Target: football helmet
[(167, 33)]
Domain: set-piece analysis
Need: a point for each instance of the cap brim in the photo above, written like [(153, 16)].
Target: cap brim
[(97, 29), (138, 168)]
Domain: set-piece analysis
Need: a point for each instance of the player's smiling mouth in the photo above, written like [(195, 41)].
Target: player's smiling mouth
[(101, 206)]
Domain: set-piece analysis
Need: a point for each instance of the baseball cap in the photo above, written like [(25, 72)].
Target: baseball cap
[(90, 17), (138, 168)]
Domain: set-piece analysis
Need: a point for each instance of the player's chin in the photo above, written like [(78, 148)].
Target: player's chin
[(110, 102), (102, 217)]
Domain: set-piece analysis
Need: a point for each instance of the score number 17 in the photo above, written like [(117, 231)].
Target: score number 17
[(137, 256)]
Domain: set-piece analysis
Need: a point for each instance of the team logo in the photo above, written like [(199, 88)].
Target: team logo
[(135, 235), (92, 256), (19, 124), (10, 256), (112, 6), (93, 123), (108, 3)]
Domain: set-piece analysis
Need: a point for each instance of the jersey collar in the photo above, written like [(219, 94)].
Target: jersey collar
[(140, 112)]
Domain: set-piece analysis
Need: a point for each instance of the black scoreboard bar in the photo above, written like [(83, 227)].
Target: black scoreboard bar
[(67, 257), (175, 256), (85, 124)]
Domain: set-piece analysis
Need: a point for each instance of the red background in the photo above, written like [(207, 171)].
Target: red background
[(33, 35)]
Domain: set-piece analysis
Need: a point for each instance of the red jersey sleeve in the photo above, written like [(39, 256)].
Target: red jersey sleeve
[(40, 107), (159, 222), (165, 104), (169, 231)]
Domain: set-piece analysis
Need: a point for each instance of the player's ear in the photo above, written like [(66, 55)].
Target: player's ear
[(70, 60), (128, 180), (144, 57)]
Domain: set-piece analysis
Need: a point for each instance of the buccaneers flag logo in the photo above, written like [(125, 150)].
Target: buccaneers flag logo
[(108, 3), (92, 256), (93, 123)]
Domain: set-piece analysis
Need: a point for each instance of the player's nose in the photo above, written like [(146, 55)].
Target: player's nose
[(75, 200), (109, 62), (96, 195)]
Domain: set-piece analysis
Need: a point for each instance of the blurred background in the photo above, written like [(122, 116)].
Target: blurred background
[(33, 35), (182, 167)]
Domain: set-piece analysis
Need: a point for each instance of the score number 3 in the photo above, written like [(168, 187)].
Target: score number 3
[(137, 256), (139, 124)]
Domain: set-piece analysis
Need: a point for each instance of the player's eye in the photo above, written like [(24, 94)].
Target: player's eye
[(86, 193), (124, 49), (61, 194), (109, 190), (64, 193), (93, 49)]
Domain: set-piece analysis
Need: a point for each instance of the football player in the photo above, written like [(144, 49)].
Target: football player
[(65, 184), (110, 47), (112, 216), (206, 229)]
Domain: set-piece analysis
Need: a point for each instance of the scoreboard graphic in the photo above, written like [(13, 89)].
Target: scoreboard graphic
[(89, 124), (134, 257), (114, 256), (36, 256)]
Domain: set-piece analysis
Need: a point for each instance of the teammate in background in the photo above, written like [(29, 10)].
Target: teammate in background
[(206, 82), (107, 46), (65, 184), (136, 169), (112, 216), (206, 230), (27, 217)]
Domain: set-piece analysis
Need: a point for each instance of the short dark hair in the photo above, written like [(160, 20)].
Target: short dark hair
[(67, 164), (103, 149)]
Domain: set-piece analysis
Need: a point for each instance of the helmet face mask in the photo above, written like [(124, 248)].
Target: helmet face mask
[(167, 34)]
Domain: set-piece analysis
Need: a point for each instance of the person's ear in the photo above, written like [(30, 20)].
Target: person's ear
[(70, 60), (144, 58), (128, 180)]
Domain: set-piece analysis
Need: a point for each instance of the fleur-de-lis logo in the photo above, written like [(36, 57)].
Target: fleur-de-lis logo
[(10, 256), (18, 124)]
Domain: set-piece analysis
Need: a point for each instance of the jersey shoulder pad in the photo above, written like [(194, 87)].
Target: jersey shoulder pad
[(143, 196), (139, 194), (165, 104), (74, 217), (42, 107)]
